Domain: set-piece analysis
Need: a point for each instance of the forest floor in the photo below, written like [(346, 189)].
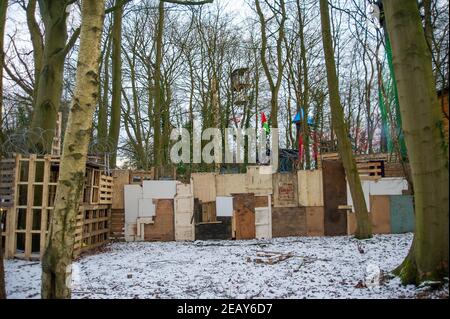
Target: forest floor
[(321, 267)]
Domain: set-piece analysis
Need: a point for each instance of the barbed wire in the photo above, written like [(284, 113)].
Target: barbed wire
[(31, 141)]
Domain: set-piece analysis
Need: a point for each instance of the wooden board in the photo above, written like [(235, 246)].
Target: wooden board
[(261, 201), (314, 221), (204, 185), (380, 211), (285, 190), (257, 182), (334, 194), (244, 215), (163, 227), (288, 221), (117, 224), (121, 178), (209, 212), (310, 188), (230, 183), (221, 229)]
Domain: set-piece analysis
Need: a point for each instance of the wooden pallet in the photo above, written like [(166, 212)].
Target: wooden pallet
[(106, 189)]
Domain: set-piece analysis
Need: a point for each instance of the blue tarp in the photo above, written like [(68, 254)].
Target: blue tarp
[(299, 116)]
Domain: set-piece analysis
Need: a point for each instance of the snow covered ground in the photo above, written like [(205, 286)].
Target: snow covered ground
[(322, 267)]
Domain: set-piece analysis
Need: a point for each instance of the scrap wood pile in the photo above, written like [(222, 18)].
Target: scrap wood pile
[(269, 257)]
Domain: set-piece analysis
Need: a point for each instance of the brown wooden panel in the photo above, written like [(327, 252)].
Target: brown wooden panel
[(314, 221), (121, 178), (261, 201), (163, 228), (380, 211), (288, 221), (209, 212), (334, 194), (244, 215)]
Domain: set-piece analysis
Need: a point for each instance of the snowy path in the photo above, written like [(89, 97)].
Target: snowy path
[(219, 269)]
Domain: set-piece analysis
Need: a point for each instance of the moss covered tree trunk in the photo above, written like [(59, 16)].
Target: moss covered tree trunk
[(364, 226), (425, 141), (57, 258), (49, 89), (114, 126)]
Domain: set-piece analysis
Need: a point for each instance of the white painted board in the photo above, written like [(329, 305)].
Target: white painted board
[(224, 206), (146, 207), (132, 194), (366, 190), (159, 189), (388, 186), (263, 222)]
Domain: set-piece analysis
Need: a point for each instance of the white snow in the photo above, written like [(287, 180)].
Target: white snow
[(322, 267)]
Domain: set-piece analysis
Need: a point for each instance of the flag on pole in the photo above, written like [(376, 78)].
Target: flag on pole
[(265, 124)]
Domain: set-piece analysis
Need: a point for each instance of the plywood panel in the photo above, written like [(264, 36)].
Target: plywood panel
[(310, 188), (159, 189), (184, 190), (285, 190), (132, 195), (230, 183), (257, 181), (262, 201), (185, 233), (288, 221), (334, 195), (244, 215), (224, 206), (204, 185), (380, 211), (209, 212), (402, 214), (184, 204), (314, 221), (163, 227)]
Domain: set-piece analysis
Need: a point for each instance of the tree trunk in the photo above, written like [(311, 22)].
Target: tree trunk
[(114, 125), (3, 9), (57, 258), (102, 125), (50, 83), (364, 227), (157, 144), (423, 129)]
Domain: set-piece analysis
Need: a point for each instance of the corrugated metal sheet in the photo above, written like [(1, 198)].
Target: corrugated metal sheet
[(230, 183), (204, 186), (310, 188), (402, 214)]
